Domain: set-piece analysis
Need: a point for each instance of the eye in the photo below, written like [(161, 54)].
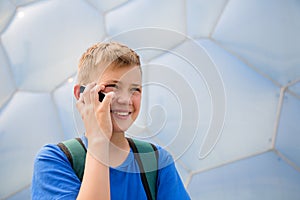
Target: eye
[(135, 89), (112, 86)]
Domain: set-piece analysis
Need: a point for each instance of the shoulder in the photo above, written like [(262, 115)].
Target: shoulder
[(169, 183), (50, 159), (53, 176), (164, 157), (50, 152)]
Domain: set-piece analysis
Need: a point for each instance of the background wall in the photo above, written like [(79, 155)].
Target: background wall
[(221, 87)]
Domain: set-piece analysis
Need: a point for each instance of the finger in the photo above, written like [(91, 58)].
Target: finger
[(102, 87), (107, 101), (80, 102), (94, 95), (86, 93)]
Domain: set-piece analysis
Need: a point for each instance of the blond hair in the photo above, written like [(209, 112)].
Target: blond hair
[(103, 55)]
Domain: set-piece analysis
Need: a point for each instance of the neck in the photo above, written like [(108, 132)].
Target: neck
[(119, 149), (118, 139)]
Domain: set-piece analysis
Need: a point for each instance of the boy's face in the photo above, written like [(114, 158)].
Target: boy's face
[(126, 83)]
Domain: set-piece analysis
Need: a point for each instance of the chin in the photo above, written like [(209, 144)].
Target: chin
[(121, 127)]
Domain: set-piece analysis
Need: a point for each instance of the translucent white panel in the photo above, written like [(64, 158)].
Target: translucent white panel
[(68, 114), (262, 177), (288, 138), (182, 88), (251, 103), (149, 42), (144, 13), (264, 33), (105, 5), (202, 16), (7, 10), (27, 122), (7, 85), (172, 88), (22, 2), (295, 88), (50, 45)]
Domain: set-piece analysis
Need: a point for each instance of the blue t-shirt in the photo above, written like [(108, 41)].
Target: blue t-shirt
[(54, 178)]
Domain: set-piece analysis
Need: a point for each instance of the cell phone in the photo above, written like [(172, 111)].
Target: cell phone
[(101, 95)]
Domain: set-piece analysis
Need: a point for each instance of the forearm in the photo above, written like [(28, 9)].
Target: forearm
[(95, 183)]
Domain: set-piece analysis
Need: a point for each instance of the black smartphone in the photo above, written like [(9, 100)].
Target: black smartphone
[(101, 95)]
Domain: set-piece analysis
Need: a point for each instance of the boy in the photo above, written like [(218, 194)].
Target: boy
[(115, 70)]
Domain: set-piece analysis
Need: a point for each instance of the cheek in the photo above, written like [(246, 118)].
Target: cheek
[(136, 100)]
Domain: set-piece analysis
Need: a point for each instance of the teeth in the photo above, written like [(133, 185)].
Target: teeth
[(122, 113)]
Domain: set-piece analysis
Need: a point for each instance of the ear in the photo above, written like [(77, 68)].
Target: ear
[(76, 91)]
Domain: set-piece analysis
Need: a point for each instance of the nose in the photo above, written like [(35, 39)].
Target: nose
[(123, 97)]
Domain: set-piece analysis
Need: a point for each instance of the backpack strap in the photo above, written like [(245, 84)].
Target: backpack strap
[(75, 152), (146, 155)]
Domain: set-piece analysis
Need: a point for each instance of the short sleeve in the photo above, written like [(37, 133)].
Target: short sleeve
[(53, 176), (169, 183)]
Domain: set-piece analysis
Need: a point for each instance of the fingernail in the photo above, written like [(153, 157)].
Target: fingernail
[(112, 94)]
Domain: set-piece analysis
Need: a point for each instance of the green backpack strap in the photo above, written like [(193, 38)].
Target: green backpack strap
[(146, 155), (75, 152)]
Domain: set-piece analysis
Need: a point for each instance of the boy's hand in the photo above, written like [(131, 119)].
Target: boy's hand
[(96, 116)]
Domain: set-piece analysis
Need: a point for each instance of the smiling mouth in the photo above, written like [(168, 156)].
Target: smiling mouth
[(121, 113)]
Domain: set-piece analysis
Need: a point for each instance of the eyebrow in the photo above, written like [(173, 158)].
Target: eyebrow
[(120, 82)]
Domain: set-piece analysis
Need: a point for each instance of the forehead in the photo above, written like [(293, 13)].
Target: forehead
[(123, 74)]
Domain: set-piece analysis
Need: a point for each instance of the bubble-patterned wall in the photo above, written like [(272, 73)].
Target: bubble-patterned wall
[(221, 87)]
